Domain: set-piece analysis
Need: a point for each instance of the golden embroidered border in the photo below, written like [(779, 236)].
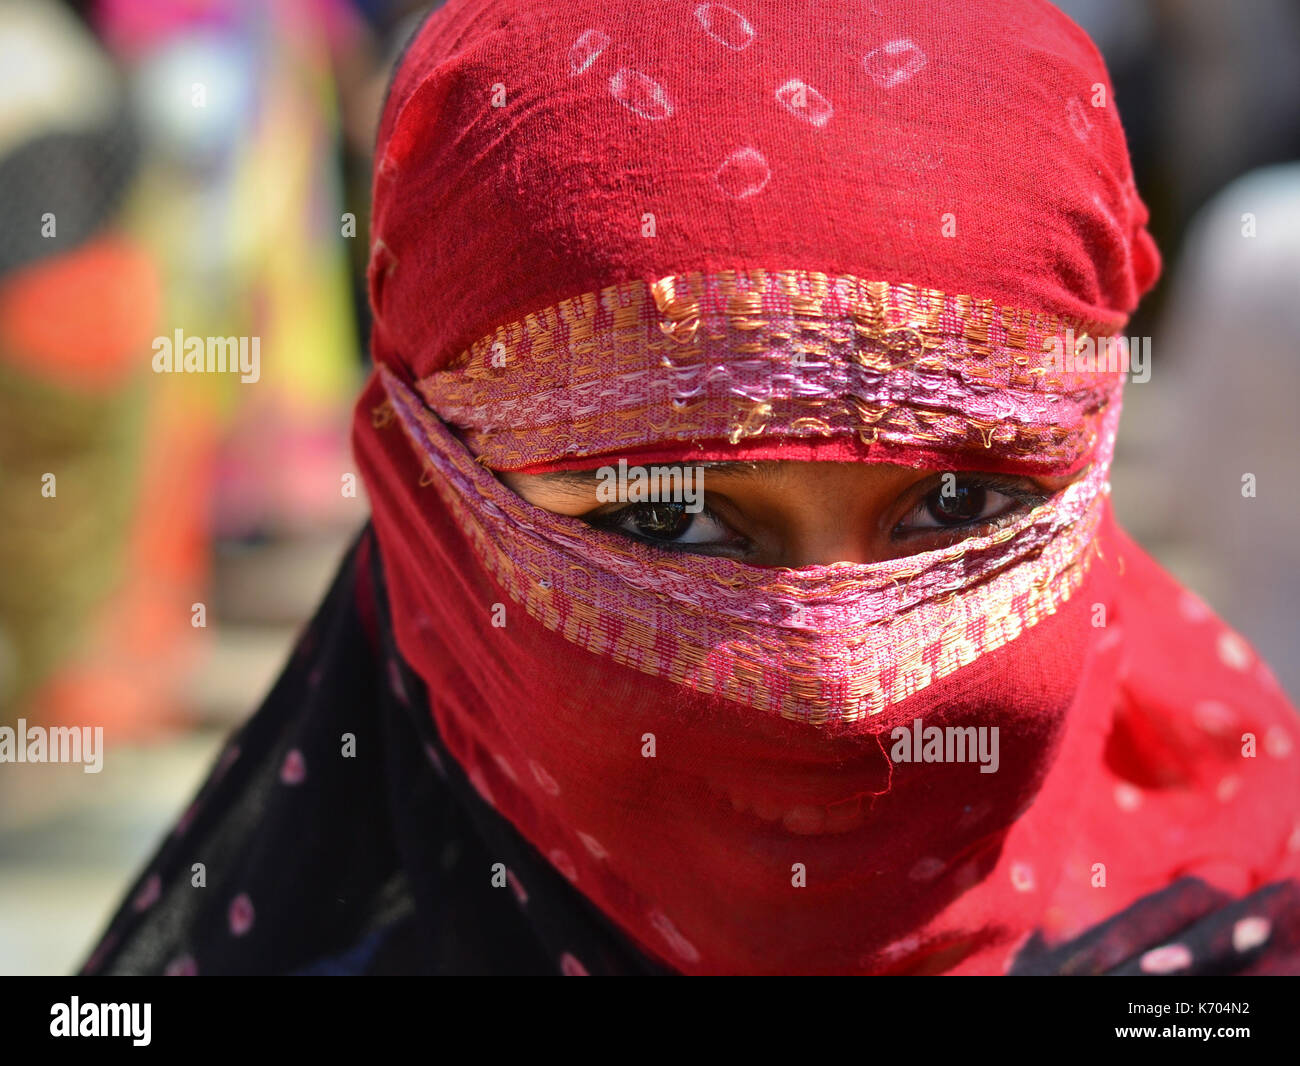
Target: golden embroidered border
[(936, 637), (971, 624), (598, 338), (1049, 447), (900, 316)]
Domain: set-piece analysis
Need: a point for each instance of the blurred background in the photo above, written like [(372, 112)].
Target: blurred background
[(205, 164)]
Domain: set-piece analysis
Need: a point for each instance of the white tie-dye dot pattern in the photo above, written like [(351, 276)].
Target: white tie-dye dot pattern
[(293, 771), (561, 861), (240, 914), (1192, 607), (480, 784), (725, 25), (640, 94), (436, 759), (505, 767), (1215, 717), (148, 894), (1077, 113), (1127, 797), (395, 682), (1168, 959), (593, 846), (1234, 652), (743, 173), (518, 889), (681, 947), (586, 50), (1111, 638), (544, 780), (1250, 933), (899, 949), (1277, 742), (894, 63), (805, 102)]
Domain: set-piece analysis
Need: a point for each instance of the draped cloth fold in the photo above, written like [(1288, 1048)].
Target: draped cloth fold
[(383, 863), (661, 231)]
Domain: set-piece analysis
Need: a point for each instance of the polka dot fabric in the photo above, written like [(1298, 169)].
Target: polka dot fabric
[(562, 146), (524, 798), (297, 859), (536, 152), (398, 865)]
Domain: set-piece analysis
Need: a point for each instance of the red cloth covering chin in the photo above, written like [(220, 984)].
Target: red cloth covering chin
[(706, 749), (1120, 745)]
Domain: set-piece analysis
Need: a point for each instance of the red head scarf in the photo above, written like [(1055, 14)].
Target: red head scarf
[(895, 231)]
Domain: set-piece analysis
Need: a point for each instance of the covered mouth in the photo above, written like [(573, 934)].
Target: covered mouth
[(885, 632), (801, 819)]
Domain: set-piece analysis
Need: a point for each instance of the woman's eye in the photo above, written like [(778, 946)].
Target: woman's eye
[(667, 523), (967, 502), (943, 510)]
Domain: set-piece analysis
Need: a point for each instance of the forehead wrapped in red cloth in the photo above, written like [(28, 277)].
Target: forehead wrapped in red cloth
[(836, 231), (809, 232)]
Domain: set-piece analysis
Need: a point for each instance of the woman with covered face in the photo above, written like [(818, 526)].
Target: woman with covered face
[(893, 693)]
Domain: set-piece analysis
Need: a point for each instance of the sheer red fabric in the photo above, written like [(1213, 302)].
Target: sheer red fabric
[(895, 232)]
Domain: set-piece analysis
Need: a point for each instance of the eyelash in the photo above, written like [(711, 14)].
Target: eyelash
[(611, 520), (1012, 488)]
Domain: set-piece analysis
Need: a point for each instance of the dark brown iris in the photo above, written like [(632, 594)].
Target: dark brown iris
[(965, 504), (661, 521)]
